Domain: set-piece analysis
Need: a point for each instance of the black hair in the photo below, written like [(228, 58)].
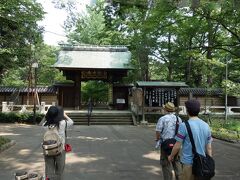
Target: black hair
[(193, 107)]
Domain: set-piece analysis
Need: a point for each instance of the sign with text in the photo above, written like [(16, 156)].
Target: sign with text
[(93, 74), (156, 97)]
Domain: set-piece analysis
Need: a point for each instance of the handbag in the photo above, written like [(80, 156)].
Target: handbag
[(168, 144), (203, 166), (67, 147)]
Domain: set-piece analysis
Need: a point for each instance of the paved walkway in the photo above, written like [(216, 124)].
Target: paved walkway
[(104, 153)]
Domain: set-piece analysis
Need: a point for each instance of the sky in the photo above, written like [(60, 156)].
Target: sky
[(54, 20)]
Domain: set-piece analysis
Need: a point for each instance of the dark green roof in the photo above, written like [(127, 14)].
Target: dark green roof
[(94, 57), (160, 84), (200, 91), (40, 89)]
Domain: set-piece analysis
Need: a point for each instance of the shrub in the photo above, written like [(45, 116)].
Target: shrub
[(3, 141), (13, 117), (225, 130)]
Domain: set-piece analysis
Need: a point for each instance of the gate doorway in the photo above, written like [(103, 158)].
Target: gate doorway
[(97, 91)]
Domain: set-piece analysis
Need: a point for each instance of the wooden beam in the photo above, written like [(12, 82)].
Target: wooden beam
[(77, 91)]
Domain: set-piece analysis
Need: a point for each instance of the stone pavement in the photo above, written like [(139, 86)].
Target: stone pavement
[(104, 153)]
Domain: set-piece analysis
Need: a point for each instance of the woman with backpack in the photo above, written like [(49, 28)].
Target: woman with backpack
[(56, 124)]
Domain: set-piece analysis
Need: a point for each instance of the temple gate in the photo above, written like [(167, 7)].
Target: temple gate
[(84, 63)]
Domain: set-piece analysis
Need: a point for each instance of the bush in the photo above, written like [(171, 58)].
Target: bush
[(13, 117), (3, 141), (228, 131)]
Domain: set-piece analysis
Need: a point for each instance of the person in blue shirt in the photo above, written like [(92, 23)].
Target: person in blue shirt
[(201, 135)]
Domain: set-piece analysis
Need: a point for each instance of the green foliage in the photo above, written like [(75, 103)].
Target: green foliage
[(225, 135), (167, 41), (231, 124), (18, 31), (46, 56), (234, 73), (46, 75), (3, 141), (14, 77), (91, 28), (98, 91), (228, 131), (232, 88), (13, 117)]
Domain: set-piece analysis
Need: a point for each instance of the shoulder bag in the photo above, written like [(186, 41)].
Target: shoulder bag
[(68, 147)]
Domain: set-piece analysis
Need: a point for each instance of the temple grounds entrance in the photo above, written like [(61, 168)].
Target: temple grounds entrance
[(108, 64)]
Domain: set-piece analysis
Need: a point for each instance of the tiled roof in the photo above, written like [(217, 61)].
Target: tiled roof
[(93, 57), (200, 91), (53, 90), (47, 89), (160, 84)]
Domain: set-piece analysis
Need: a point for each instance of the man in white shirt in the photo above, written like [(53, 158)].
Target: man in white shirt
[(165, 129)]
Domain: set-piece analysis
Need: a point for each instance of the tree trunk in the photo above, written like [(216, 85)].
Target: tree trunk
[(170, 60), (209, 49), (188, 66), (195, 4), (144, 63)]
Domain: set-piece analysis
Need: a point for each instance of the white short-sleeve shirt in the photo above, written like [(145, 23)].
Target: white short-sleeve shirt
[(166, 126)]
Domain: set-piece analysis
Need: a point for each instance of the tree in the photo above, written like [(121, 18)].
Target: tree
[(192, 39), (19, 31), (168, 41), (46, 75), (46, 57)]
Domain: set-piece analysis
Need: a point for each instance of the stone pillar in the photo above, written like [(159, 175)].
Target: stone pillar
[(24, 109), (143, 105), (4, 107), (42, 107), (11, 106)]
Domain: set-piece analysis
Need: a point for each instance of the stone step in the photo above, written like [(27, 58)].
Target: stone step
[(102, 118), (103, 123)]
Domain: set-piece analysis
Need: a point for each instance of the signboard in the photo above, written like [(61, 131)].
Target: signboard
[(110, 93), (156, 97), (120, 101), (93, 74)]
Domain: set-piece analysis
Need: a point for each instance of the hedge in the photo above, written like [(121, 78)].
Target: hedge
[(3, 141), (26, 118)]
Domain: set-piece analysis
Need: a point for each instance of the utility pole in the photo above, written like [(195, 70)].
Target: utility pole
[(226, 95), (35, 66)]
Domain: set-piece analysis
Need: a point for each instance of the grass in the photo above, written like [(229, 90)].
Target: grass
[(3, 141)]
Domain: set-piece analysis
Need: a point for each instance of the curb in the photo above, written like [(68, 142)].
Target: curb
[(7, 145), (227, 140)]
